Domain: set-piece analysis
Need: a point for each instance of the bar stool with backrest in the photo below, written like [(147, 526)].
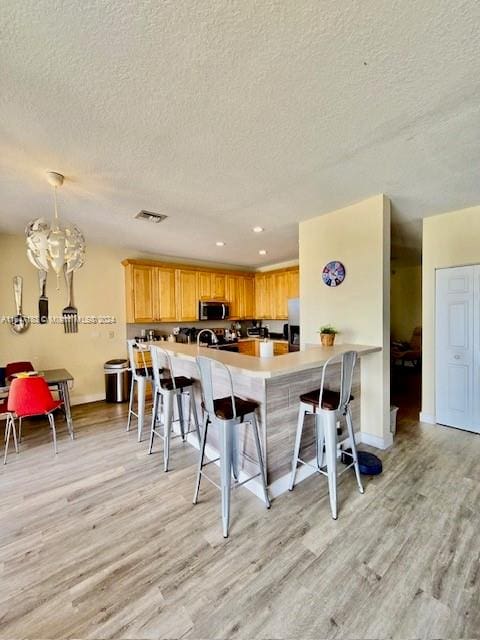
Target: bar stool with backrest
[(227, 413), (140, 376), (28, 397), (328, 406), (166, 387)]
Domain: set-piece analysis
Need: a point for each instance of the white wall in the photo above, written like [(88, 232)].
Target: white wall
[(449, 240), (359, 237)]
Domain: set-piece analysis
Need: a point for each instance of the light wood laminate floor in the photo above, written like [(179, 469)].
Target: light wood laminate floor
[(100, 543)]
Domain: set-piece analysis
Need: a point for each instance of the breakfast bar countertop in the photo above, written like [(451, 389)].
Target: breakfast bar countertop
[(314, 356)]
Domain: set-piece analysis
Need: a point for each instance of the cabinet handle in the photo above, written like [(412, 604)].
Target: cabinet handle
[(457, 357)]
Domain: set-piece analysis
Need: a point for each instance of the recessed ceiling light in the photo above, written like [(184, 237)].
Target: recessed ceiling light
[(263, 252), (257, 229), (220, 243)]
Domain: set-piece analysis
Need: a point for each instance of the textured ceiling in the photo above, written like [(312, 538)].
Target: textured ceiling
[(224, 115)]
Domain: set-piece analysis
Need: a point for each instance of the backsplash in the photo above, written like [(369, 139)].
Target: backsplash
[(164, 329)]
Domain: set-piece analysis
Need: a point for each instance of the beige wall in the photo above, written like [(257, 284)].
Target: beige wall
[(449, 240), (98, 289), (406, 301), (358, 236)]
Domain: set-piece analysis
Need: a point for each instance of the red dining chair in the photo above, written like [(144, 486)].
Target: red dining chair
[(17, 367), (5, 415), (31, 397)]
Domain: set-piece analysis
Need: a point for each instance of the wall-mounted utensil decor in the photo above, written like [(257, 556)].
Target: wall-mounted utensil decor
[(43, 300), (70, 313), (20, 323)]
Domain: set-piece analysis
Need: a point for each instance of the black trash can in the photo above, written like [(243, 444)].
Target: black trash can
[(117, 380)]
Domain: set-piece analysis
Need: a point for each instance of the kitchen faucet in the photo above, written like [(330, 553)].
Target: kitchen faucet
[(212, 333)]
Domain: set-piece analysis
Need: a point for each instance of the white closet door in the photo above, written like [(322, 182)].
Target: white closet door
[(455, 348)]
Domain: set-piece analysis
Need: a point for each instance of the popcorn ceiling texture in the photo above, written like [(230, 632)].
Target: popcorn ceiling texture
[(224, 115)]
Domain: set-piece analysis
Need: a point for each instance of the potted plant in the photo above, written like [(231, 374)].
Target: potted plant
[(327, 335)]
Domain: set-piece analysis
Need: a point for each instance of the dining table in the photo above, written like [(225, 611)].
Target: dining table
[(58, 379)]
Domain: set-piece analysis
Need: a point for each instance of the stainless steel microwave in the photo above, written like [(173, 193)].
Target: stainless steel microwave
[(213, 310)]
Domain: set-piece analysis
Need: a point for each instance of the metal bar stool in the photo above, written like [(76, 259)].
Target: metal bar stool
[(140, 377), (167, 387), (328, 406), (226, 413)]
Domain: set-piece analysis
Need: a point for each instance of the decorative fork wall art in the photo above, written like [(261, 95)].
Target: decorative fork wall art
[(70, 312)]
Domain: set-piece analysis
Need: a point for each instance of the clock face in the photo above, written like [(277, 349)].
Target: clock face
[(333, 274)]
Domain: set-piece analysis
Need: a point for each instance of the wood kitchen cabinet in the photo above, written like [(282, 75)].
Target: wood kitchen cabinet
[(164, 292), (235, 296), (150, 294), (187, 295), (249, 297), (211, 285), (272, 291), (263, 296)]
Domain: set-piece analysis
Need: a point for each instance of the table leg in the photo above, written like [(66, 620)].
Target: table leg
[(65, 393)]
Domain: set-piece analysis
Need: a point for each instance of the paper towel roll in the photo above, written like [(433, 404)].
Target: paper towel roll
[(266, 349)]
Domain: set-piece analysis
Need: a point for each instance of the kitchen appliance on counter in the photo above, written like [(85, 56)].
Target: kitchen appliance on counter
[(293, 330), (213, 310), (256, 330)]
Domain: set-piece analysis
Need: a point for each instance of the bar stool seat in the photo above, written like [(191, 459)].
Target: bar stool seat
[(179, 382), (330, 399), (223, 407), (327, 407)]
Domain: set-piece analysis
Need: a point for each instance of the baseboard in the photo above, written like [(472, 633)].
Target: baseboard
[(93, 397), (375, 441), (427, 417)]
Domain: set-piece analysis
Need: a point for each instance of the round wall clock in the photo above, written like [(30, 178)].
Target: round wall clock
[(333, 273)]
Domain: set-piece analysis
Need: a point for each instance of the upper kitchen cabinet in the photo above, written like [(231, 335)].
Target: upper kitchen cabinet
[(263, 296), (187, 295), (235, 296), (211, 285), (218, 286), (150, 293), (249, 297), (293, 283), (240, 292), (140, 282), (272, 291), (166, 299)]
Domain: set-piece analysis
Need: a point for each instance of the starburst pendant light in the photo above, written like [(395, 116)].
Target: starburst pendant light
[(61, 248)]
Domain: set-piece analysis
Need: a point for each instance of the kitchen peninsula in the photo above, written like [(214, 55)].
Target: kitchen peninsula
[(276, 384)]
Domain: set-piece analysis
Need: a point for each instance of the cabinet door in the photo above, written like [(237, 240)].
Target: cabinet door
[(142, 293), (280, 348), (204, 285), (166, 310), (247, 347), (187, 295), (235, 297), (249, 302), (261, 296), (293, 284), (218, 291), (279, 296)]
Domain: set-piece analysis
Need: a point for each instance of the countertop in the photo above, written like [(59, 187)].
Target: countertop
[(294, 362)]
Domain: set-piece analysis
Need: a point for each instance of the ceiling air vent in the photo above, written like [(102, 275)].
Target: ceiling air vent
[(150, 216)]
